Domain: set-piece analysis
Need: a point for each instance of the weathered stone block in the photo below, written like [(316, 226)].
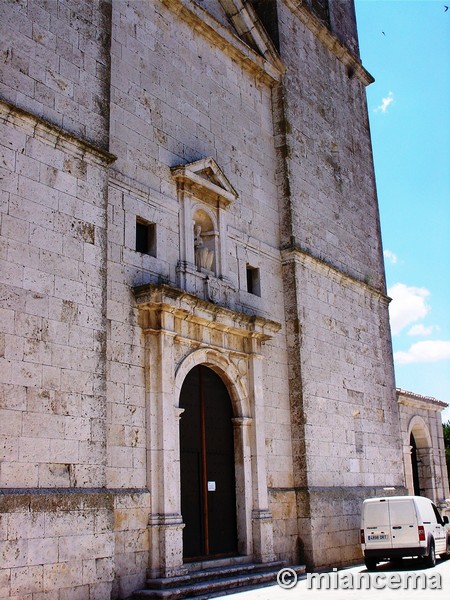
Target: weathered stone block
[(27, 580)]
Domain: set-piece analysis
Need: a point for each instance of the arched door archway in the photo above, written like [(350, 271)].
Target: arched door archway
[(421, 478), (414, 465), (207, 465)]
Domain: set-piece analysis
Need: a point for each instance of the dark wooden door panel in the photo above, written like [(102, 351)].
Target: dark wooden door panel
[(207, 461)]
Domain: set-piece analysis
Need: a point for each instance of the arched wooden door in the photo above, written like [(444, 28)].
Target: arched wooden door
[(208, 488)]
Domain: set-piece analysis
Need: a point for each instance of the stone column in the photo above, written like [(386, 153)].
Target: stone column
[(261, 516), (426, 474), (407, 464), (186, 269), (243, 474), (165, 522)]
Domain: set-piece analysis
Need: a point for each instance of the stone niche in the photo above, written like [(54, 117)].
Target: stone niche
[(204, 194)]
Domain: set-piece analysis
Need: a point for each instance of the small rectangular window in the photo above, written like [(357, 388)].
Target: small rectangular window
[(253, 283), (145, 237)]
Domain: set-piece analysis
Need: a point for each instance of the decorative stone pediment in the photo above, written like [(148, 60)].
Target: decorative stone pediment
[(205, 179), (250, 29), (165, 308), (243, 38)]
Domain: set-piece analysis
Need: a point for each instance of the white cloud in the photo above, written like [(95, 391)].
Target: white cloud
[(424, 352), (420, 329), (390, 256), (408, 305), (385, 102)]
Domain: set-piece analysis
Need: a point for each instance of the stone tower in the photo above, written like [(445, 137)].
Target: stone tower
[(343, 408), (195, 348)]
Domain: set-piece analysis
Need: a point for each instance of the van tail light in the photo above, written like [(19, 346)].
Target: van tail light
[(421, 529), (363, 538)]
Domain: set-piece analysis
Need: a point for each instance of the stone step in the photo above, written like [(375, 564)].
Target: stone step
[(208, 583), (206, 573)]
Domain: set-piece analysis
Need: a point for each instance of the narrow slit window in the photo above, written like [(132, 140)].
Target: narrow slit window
[(145, 237), (253, 282)]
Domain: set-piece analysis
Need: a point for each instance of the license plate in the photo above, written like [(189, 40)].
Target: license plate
[(379, 537)]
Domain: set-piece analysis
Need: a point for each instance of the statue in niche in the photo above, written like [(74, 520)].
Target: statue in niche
[(203, 256)]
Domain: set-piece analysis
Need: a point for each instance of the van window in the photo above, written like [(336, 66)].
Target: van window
[(426, 511), (438, 515), (402, 512)]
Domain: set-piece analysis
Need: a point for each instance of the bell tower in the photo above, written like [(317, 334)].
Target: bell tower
[(342, 392)]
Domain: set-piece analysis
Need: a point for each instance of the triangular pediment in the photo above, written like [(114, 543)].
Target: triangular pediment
[(235, 27), (249, 28), (207, 178), (216, 10)]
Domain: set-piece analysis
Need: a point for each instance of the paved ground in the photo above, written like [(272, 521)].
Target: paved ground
[(385, 572)]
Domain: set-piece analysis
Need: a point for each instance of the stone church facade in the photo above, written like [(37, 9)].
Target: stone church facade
[(195, 351)]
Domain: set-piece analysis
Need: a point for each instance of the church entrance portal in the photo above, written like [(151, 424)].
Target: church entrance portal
[(208, 488)]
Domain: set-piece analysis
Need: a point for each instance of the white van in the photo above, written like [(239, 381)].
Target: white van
[(400, 526)]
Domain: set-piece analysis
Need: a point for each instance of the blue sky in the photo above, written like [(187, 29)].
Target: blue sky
[(405, 45)]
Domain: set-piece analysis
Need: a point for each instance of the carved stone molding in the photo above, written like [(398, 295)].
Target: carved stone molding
[(206, 180), (264, 62)]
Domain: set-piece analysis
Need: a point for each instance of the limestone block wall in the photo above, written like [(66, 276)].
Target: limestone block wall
[(52, 547), (53, 410), (53, 227), (334, 211), (344, 413), (177, 98), (60, 529), (131, 541), (343, 23), (351, 417), (77, 545), (55, 63)]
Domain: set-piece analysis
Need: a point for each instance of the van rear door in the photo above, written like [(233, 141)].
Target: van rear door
[(376, 524), (403, 519)]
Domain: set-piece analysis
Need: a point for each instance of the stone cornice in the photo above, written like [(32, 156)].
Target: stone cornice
[(188, 307), (341, 52), (419, 401), (296, 253), (52, 135), (231, 44)]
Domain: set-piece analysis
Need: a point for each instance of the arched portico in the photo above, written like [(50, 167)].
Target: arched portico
[(183, 332), (419, 463)]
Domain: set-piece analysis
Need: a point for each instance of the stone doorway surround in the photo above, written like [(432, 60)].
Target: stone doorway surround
[(182, 331)]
